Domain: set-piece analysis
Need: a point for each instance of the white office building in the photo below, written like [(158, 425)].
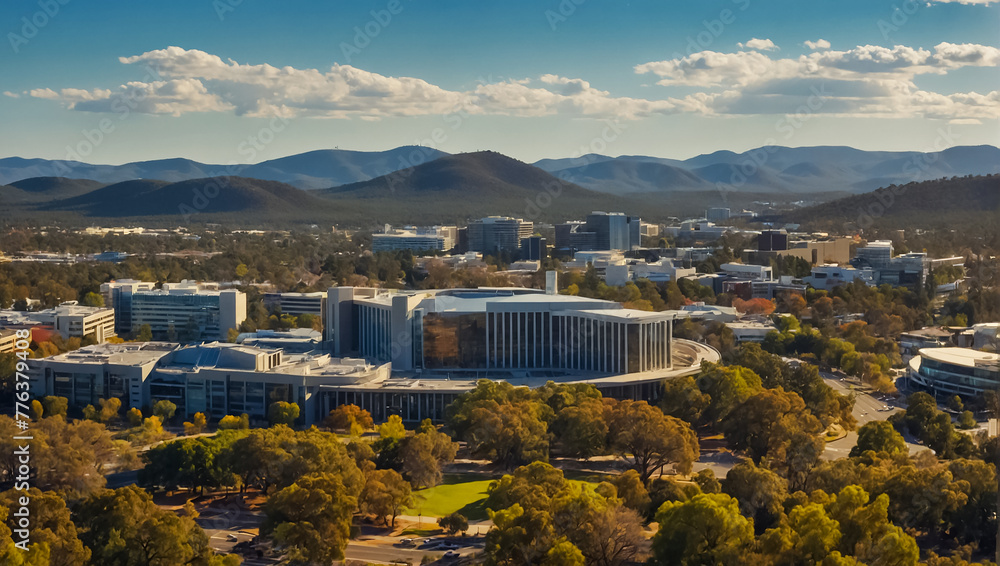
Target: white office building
[(112, 291), (185, 312), (69, 319), (440, 238)]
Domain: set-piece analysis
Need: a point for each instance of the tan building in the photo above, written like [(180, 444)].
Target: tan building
[(8, 337), (816, 252)]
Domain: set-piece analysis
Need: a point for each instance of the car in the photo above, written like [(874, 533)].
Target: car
[(233, 538), (450, 555), (405, 542), (428, 544), (447, 546)]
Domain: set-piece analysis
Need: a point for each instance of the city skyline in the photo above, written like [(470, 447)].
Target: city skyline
[(557, 79)]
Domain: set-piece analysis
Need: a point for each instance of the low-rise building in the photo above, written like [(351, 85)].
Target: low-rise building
[(660, 271), (955, 371), (750, 331), (69, 320), (826, 277), (441, 238), (8, 340)]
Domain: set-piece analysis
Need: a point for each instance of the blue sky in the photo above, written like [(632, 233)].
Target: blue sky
[(227, 81)]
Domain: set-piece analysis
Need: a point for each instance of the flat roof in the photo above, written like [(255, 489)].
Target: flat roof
[(959, 356), (129, 353)]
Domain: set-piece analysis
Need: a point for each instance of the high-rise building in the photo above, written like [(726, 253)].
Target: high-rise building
[(601, 231), (497, 233), (772, 240), (113, 292), (534, 248), (614, 230)]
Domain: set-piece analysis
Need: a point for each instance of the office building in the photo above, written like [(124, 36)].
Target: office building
[(905, 270), (774, 245), (614, 230), (216, 379), (220, 379), (750, 272), (827, 277), (186, 312), (601, 231), (955, 371), (497, 233), (717, 214), (877, 254), (534, 248), (772, 240), (661, 271), (69, 320), (439, 238), (501, 329), (296, 304), (573, 236), (112, 292)]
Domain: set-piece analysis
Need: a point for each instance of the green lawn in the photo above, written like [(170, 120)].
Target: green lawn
[(465, 493)]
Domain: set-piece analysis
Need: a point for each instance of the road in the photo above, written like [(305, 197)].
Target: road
[(867, 408)]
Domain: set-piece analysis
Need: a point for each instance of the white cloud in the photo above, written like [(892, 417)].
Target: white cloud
[(817, 45), (11, 94), (863, 81), (759, 45), (966, 54), (867, 80), (966, 2), (196, 81)]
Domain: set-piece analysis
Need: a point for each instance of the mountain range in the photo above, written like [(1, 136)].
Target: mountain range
[(772, 169), (450, 189)]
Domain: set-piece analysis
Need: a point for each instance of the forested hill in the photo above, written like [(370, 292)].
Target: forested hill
[(959, 202)]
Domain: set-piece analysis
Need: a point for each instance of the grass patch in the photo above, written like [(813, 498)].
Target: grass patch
[(465, 493)]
